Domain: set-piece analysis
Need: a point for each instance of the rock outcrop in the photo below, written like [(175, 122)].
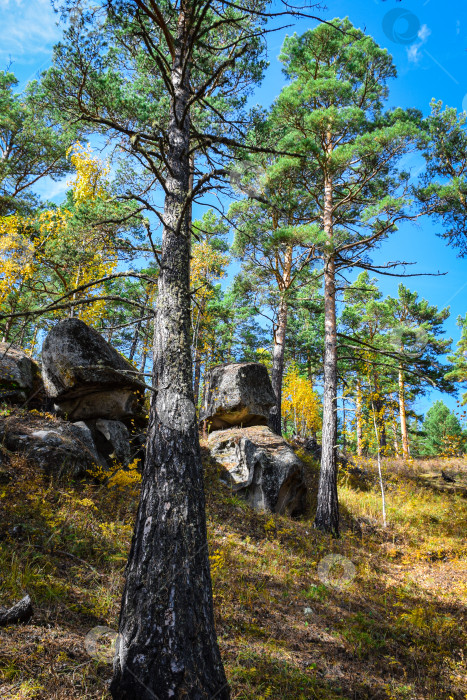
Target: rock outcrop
[(86, 377), (237, 394), (262, 467), (97, 396), (19, 375), (55, 446)]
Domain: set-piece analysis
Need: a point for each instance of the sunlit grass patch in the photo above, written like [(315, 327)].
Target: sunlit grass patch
[(285, 633)]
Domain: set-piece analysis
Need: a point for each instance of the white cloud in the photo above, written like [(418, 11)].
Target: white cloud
[(414, 52), (28, 28), (423, 33)]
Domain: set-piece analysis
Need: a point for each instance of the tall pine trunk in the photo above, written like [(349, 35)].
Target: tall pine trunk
[(403, 416), (277, 373), (394, 430), (167, 645), (327, 512)]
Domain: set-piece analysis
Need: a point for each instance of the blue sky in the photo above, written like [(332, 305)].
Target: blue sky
[(428, 41)]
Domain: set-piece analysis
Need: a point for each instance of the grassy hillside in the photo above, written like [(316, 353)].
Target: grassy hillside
[(396, 631)]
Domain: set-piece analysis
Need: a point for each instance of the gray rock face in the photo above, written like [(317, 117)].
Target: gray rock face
[(85, 376), (111, 403), (237, 394), (54, 446), (112, 441), (261, 467), (19, 375)]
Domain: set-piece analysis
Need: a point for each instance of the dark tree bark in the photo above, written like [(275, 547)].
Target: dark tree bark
[(327, 512), (167, 646)]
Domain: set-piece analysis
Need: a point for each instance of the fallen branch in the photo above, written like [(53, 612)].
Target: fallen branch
[(20, 612)]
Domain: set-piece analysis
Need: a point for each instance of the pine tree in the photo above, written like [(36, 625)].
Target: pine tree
[(276, 256), (394, 350), (168, 81), (416, 327), (348, 151), (208, 265), (458, 372), (443, 189), (32, 147), (443, 434)]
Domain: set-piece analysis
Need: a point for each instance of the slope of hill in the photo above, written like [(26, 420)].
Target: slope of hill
[(386, 619)]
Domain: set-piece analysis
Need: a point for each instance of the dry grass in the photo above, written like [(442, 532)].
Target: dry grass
[(396, 631)]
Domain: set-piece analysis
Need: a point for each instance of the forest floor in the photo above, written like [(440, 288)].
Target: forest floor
[(388, 621)]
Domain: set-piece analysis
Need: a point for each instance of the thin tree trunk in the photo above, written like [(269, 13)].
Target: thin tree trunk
[(197, 333), (197, 377), (167, 646), (134, 342), (359, 418), (403, 416), (308, 368), (380, 472), (344, 427), (72, 308), (277, 373), (327, 512), (394, 429), (9, 323), (378, 402), (6, 332), (22, 334), (144, 355)]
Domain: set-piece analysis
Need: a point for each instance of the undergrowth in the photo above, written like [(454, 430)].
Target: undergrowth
[(393, 629)]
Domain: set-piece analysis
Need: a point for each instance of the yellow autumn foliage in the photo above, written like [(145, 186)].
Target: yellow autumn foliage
[(91, 181), (207, 266), (300, 403), (16, 254), (20, 252), (45, 249)]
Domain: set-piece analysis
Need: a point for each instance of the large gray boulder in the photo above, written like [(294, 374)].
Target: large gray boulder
[(86, 377), (237, 394), (19, 374), (262, 468), (55, 446)]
